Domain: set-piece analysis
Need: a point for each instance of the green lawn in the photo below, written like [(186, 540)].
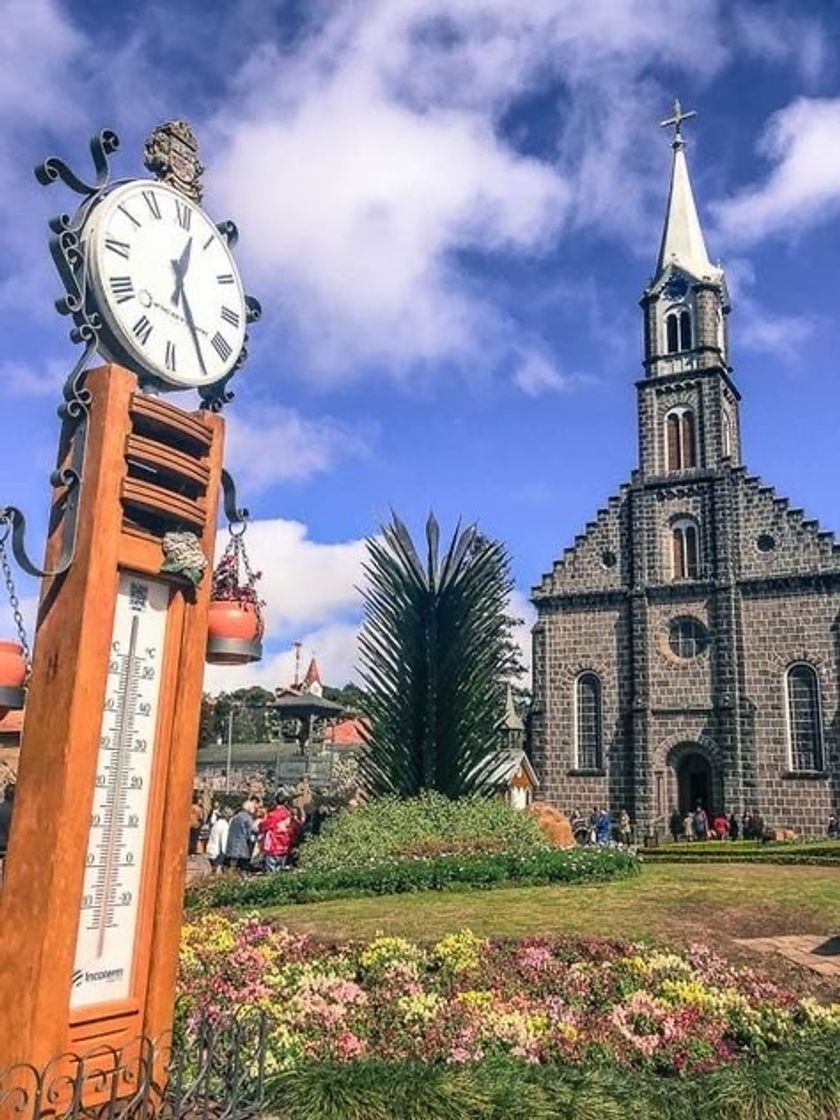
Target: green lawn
[(710, 902)]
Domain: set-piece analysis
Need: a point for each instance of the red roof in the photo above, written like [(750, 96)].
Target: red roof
[(312, 674), (349, 732)]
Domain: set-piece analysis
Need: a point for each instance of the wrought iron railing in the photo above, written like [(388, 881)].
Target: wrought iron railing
[(212, 1071)]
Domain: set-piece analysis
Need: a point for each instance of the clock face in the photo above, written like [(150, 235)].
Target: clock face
[(676, 287), (166, 285)]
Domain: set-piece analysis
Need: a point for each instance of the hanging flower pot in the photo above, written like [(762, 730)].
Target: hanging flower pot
[(234, 621), (12, 676)]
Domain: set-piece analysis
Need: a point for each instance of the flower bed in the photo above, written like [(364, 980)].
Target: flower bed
[(565, 1004), (416, 874)]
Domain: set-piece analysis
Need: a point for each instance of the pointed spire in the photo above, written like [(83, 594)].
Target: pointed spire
[(512, 720), (682, 238), (312, 680)]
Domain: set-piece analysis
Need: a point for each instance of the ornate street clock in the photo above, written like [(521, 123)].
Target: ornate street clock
[(93, 887), (166, 286)]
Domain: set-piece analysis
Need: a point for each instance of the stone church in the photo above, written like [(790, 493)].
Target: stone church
[(687, 644)]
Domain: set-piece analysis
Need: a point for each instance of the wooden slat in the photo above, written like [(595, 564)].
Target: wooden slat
[(150, 452), (171, 422), (156, 500)]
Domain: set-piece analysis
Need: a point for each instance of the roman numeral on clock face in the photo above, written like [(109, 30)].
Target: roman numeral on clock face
[(129, 215), (221, 346), (122, 288), (184, 214), (151, 201), (230, 317), (170, 355), (142, 329), (225, 278), (121, 248)]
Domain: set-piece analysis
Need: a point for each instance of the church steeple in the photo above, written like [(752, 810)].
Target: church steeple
[(683, 244), (688, 416)]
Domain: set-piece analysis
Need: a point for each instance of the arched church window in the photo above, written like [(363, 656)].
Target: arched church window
[(672, 334), (588, 722), (685, 330), (684, 550), (680, 441), (804, 718)]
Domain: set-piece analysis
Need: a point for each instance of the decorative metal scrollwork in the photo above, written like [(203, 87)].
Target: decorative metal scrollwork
[(212, 1069), (68, 256), (236, 515)]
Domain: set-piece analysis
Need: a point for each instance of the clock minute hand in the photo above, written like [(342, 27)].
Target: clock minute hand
[(191, 326)]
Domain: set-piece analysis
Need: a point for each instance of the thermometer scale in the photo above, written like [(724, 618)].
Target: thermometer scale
[(102, 971)]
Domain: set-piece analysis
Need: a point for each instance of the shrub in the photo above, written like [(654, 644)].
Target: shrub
[(388, 827), (457, 872)]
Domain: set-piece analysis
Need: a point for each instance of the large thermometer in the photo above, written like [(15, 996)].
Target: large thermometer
[(105, 945)]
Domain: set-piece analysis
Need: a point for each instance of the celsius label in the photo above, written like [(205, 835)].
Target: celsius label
[(114, 861)]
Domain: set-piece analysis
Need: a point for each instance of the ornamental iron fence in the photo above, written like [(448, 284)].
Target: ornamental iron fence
[(211, 1070)]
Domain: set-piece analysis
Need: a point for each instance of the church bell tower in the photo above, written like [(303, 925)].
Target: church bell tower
[(688, 404)]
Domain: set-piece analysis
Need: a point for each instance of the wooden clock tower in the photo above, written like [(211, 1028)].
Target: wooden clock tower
[(91, 903)]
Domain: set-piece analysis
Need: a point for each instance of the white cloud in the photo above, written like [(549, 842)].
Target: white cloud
[(304, 582), (335, 646), (267, 444), (537, 374), (777, 37), (803, 188), (372, 154)]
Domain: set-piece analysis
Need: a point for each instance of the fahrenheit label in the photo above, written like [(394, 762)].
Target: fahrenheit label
[(114, 860)]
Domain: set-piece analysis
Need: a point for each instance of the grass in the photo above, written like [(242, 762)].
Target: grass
[(802, 851), (666, 899)]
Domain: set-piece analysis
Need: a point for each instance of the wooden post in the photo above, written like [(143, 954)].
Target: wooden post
[(150, 468)]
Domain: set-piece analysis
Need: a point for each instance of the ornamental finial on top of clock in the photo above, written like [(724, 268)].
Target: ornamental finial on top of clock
[(171, 154)]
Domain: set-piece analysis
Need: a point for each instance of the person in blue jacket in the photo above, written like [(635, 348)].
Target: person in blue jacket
[(603, 828)]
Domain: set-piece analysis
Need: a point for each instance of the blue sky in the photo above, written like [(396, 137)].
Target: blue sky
[(449, 212)]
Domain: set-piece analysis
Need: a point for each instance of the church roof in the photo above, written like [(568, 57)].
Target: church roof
[(312, 674), (683, 244)]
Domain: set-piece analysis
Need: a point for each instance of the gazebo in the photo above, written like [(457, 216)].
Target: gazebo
[(305, 708)]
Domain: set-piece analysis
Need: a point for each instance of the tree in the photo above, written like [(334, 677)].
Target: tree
[(352, 698), (251, 719), (436, 653)]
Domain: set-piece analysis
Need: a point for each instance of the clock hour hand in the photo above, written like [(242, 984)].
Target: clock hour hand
[(191, 327), (180, 267)]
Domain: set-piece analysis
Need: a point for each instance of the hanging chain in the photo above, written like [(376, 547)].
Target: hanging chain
[(14, 602), (242, 558)]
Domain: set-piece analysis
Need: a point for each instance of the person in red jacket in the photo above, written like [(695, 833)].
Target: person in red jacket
[(721, 826), (276, 832)]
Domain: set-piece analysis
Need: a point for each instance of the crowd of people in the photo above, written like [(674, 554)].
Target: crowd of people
[(599, 828), (602, 827), (258, 836)]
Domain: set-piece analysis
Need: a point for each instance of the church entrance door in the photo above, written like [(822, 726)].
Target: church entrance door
[(694, 782)]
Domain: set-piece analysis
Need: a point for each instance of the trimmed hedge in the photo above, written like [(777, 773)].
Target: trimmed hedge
[(800, 1082), (445, 873), (817, 852)]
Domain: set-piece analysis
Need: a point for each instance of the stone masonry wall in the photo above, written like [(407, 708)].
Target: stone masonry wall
[(780, 629), (572, 641)]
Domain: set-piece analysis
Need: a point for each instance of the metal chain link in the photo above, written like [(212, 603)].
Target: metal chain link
[(14, 602)]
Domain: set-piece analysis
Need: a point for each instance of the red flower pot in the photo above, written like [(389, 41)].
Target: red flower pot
[(12, 674), (234, 630)]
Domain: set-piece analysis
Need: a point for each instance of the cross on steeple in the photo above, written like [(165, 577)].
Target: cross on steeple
[(676, 122)]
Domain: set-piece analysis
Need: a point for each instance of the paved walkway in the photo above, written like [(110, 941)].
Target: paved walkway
[(820, 954)]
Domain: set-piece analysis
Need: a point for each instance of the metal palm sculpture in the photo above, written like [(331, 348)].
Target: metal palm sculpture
[(435, 655)]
